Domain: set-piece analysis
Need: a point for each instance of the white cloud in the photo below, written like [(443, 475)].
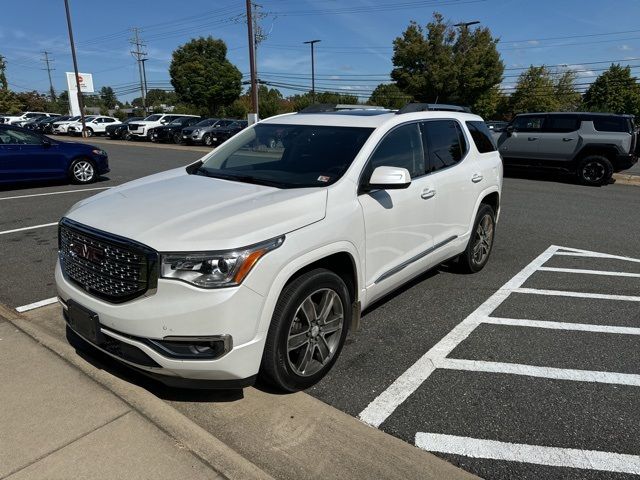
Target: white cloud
[(625, 48)]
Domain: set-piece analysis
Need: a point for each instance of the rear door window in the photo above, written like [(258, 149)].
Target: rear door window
[(561, 123), (444, 143), (482, 137)]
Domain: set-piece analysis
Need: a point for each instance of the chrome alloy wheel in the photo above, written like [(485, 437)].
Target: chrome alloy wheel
[(593, 172), (483, 240), (314, 334), (83, 171)]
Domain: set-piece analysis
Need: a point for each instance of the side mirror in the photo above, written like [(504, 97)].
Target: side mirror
[(510, 129), (163, 121), (389, 178)]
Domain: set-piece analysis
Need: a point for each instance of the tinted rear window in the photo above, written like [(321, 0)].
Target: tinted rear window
[(612, 124), (444, 143), (481, 137), (561, 123)]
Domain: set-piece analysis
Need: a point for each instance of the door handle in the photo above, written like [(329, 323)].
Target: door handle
[(567, 139), (476, 178), (531, 139), (428, 193)]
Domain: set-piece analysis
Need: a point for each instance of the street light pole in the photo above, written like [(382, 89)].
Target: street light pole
[(313, 70), (467, 24), (75, 68), (253, 116)]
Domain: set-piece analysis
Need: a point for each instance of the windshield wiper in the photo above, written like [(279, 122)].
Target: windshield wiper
[(241, 178)]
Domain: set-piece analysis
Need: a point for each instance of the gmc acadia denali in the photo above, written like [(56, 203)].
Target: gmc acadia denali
[(257, 259)]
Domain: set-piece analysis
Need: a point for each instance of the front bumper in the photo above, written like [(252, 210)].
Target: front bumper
[(178, 309)]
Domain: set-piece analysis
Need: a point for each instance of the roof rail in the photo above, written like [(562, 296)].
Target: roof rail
[(428, 107), (336, 107)]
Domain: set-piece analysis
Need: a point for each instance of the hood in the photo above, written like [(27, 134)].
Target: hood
[(175, 211)]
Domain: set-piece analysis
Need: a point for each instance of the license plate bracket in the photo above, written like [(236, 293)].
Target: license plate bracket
[(84, 322)]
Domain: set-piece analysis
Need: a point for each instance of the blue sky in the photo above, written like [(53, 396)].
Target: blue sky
[(355, 52)]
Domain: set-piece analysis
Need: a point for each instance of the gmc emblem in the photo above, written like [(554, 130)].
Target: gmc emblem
[(87, 252)]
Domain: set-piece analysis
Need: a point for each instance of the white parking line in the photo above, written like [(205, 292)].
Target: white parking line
[(385, 404), (540, 455), (589, 272), (33, 306), (541, 372), (28, 228), (582, 327), (55, 193), (562, 293)]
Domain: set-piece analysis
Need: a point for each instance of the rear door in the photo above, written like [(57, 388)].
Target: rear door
[(559, 139), (523, 143), (452, 176)]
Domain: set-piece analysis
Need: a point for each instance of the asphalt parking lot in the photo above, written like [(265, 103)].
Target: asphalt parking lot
[(529, 369)]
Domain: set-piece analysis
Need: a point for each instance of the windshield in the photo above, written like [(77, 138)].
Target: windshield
[(287, 156), (206, 123), (153, 118)]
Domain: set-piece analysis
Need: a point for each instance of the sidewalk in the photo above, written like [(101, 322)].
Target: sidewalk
[(57, 423)]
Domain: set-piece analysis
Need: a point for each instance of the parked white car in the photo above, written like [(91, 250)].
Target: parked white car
[(20, 120), (60, 128), (93, 125), (258, 258), (140, 129)]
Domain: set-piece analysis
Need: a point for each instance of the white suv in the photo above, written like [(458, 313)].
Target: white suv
[(259, 257), (93, 125), (61, 127), (140, 129)]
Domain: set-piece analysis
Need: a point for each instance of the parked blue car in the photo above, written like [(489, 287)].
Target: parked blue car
[(30, 156)]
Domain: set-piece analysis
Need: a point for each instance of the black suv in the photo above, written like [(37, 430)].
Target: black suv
[(120, 131), (172, 131), (589, 145)]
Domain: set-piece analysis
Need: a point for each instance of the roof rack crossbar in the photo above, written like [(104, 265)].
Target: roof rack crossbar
[(336, 107), (428, 107)]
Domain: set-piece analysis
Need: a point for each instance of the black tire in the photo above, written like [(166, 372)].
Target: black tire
[(82, 171), (278, 362), (177, 138), (472, 260), (594, 170), (127, 136), (207, 140), (89, 132)]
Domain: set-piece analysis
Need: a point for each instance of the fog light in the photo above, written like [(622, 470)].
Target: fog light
[(194, 348)]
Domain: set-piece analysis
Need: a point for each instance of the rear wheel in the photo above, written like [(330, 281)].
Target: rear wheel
[(89, 132), (177, 138), (478, 250), (207, 140), (308, 330), (595, 170), (83, 170)]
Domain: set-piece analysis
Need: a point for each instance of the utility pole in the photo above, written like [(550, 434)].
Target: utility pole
[(48, 68), (140, 57), (313, 70), (144, 77), (75, 69), (253, 116)]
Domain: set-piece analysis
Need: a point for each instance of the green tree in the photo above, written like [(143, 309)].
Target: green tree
[(615, 90), (565, 92), (535, 91), (108, 97), (202, 76), (302, 101), (4, 85), (444, 64), (32, 101), (8, 100), (389, 95)]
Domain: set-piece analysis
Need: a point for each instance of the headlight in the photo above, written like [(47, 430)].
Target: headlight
[(215, 269), (97, 151), (196, 131)]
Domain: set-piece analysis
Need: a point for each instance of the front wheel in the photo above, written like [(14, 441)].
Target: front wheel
[(177, 138), (82, 170), (308, 330), (595, 170), (207, 140), (478, 250)]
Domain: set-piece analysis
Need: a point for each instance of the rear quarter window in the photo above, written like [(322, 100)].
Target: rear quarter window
[(612, 124), (482, 137)]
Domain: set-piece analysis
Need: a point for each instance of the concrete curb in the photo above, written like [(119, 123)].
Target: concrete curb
[(626, 179), (205, 446)]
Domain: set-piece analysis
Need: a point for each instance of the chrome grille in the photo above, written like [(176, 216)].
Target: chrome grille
[(109, 267)]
